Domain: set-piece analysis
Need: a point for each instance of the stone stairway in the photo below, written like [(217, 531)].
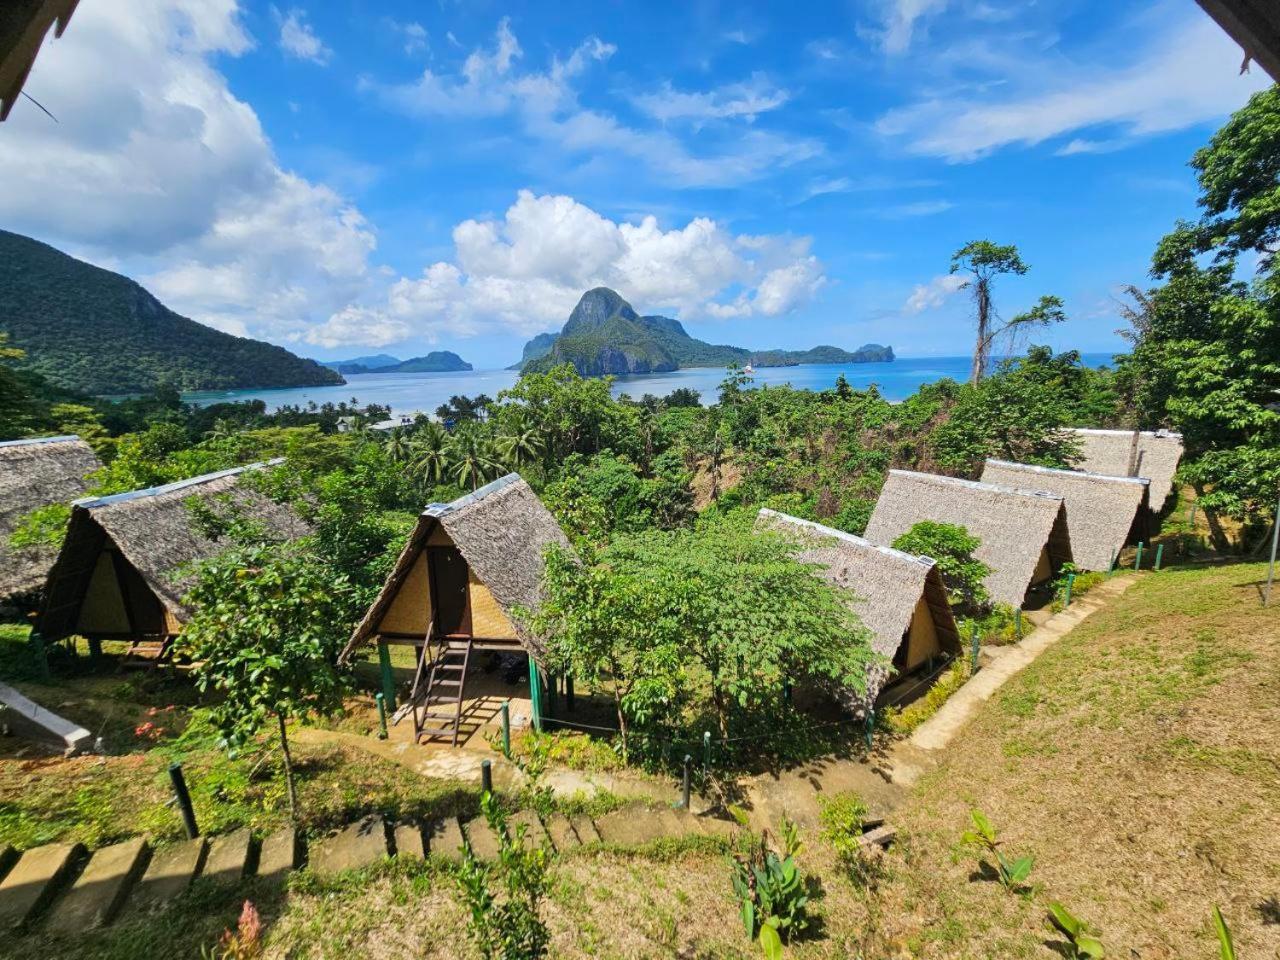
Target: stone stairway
[(63, 889)]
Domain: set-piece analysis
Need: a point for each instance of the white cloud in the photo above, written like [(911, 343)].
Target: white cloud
[(413, 36), (1081, 145), (931, 295), (746, 100), (298, 39), (525, 272), (921, 208), (162, 172), (900, 18), (545, 104), (1186, 76)]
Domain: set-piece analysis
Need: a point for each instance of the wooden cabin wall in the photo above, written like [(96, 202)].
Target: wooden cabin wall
[(487, 618), (410, 611), (102, 611), (922, 636)]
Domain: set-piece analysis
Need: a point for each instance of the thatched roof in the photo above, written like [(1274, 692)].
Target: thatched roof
[(1101, 510), (1013, 524), (1255, 25), (156, 531), (884, 584), (502, 531), (34, 474), (23, 25), (1114, 453)]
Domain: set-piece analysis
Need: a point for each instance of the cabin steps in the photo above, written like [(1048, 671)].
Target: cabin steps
[(446, 681)]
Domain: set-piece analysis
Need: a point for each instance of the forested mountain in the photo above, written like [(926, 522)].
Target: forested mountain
[(88, 329), (437, 361), (604, 335)]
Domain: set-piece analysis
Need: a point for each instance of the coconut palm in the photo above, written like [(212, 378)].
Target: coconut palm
[(522, 446), (473, 458), (429, 454), (397, 447)]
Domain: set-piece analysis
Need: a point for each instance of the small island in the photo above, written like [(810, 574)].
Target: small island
[(437, 361), (604, 335)]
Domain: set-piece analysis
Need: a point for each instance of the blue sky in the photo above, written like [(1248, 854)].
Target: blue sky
[(345, 177)]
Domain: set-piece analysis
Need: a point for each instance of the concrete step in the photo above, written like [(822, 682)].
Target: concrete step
[(228, 858), (535, 832), (560, 830), (629, 827), (278, 855), (361, 844), (716, 827), (34, 880), (169, 873), (586, 830), (481, 839), (408, 842), (444, 839), (101, 889)]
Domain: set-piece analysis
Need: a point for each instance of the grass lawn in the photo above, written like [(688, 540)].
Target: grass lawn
[(1137, 760)]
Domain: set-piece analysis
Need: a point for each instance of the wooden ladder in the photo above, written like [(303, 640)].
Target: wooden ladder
[(446, 682)]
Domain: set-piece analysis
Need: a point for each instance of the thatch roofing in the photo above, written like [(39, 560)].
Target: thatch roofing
[(502, 530), (1113, 452), (23, 25), (156, 531), (34, 474), (1255, 25), (885, 584), (1101, 510), (1013, 524)]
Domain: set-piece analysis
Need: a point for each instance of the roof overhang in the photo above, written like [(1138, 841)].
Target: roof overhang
[(23, 25), (1254, 24)]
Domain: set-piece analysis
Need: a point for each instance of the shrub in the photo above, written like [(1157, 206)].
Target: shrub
[(906, 720), (952, 547), (771, 891), (841, 816), (503, 898)]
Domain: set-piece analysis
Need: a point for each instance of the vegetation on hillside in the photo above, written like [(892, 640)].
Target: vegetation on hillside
[(93, 331)]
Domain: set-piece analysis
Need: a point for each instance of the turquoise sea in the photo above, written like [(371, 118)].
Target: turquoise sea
[(408, 393)]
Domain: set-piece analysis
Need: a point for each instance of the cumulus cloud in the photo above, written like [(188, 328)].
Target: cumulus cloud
[(491, 83), (160, 170), (931, 295), (1185, 76), (298, 39), (525, 271), (899, 19)]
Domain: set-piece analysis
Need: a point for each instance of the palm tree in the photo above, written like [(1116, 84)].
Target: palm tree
[(397, 446), (429, 453), (222, 429), (522, 446), (473, 458)]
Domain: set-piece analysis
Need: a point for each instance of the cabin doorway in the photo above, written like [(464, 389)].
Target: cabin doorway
[(449, 593)]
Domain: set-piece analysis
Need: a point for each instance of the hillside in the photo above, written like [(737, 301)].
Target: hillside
[(605, 335), (437, 361), (88, 329), (362, 364)]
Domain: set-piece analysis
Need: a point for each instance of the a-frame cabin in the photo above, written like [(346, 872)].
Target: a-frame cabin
[(466, 568)]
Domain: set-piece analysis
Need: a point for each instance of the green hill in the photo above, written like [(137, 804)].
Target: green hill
[(604, 335), (88, 329), (437, 361)]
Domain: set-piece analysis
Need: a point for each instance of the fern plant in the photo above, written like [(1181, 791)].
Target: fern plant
[(1081, 942), (1012, 873)]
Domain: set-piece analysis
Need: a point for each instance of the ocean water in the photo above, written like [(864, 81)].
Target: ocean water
[(409, 393)]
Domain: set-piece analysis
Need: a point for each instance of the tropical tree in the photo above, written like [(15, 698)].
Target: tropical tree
[(268, 626), (472, 458), (429, 454), (982, 261), (397, 446), (523, 446)]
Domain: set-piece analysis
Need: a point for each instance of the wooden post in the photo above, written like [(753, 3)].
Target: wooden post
[(568, 691), (535, 696), (388, 679), (183, 798), (1271, 564), (42, 658), (381, 701)]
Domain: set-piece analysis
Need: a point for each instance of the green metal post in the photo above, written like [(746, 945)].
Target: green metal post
[(42, 658), (786, 691), (1137, 562), (1066, 600), (535, 695), (1159, 555), (1111, 567), (382, 715), (870, 731), (1192, 522), (1017, 622), (388, 679), (973, 650), (706, 751), (506, 729)]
